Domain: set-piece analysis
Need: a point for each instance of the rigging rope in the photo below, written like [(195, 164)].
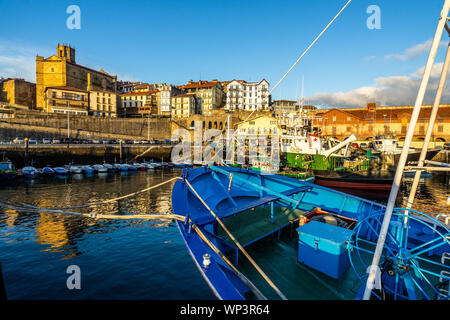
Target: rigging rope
[(307, 49), (99, 202), (261, 272)]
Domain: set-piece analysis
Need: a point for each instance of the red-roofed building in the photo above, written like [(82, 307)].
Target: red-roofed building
[(371, 121), (208, 94), (137, 104)]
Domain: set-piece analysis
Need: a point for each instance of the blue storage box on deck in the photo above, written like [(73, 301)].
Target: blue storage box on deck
[(324, 247)]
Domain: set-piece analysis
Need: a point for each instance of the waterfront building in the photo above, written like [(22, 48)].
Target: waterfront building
[(368, 122), (249, 96), (140, 103), (183, 105), (18, 93), (166, 92), (284, 106), (208, 94), (61, 70), (102, 103), (144, 87), (127, 86), (66, 100), (260, 125)]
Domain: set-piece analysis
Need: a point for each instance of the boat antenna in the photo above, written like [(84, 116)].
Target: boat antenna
[(307, 49)]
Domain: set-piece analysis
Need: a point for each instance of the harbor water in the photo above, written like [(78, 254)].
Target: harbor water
[(118, 259)]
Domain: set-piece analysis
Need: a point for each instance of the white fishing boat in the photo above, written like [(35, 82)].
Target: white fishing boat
[(109, 167), (389, 146), (75, 169), (100, 168)]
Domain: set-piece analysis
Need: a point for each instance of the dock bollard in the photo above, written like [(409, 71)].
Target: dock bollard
[(26, 150), (121, 147)]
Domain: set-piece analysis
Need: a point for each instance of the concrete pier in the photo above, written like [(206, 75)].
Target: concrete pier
[(61, 154)]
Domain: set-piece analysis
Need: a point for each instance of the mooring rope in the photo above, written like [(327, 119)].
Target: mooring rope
[(17, 205), (261, 272), (99, 202)]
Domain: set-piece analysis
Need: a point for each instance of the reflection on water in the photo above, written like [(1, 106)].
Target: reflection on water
[(119, 259), (432, 194)]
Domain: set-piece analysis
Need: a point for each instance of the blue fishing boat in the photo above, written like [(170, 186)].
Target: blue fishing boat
[(121, 167), (87, 169), (75, 169), (110, 167), (254, 236), (47, 171), (7, 170), (61, 171), (412, 173), (100, 168), (132, 167), (30, 172)]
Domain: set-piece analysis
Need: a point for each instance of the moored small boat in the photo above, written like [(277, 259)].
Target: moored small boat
[(74, 169), (412, 173), (148, 166), (121, 167), (47, 171), (30, 172), (100, 168), (140, 166), (61, 171), (110, 167), (7, 170), (132, 167), (365, 186), (87, 169)]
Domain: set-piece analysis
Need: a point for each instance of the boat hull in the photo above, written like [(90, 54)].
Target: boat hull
[(256, 208), (369, 188)]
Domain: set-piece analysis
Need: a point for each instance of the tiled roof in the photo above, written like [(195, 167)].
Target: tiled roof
[(89, 69), (394, 113), (142, 93), (199, 84)]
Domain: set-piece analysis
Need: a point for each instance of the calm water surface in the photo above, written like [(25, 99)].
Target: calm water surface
[(118, 259)]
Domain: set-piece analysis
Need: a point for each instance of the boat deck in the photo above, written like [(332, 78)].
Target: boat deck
[(278, 259), (255, 224), (273, 246)]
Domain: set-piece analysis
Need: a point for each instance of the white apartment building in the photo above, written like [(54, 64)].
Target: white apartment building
[(247, 96)]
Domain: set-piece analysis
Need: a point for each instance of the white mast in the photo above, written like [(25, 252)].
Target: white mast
[(374, 268)]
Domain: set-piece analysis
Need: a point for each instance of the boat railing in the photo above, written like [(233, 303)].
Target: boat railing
[(444, 217), (445, 275)]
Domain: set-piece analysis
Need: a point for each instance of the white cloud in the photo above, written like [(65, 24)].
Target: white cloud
[(18, 61), (394, 90), (414, 51)]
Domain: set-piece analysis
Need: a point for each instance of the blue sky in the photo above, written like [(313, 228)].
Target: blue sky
[(176, 41)]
